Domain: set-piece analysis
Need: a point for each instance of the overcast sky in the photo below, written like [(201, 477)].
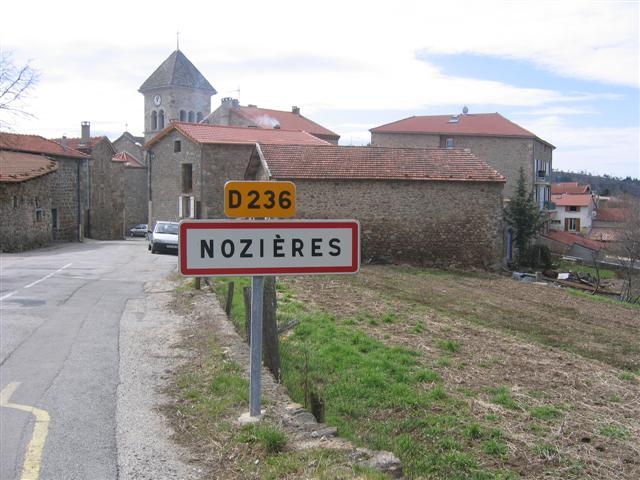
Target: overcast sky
[(567, 70)]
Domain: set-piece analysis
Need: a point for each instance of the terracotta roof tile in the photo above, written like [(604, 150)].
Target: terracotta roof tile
[(573, 188), (205, 133), (37, 144), (129, 160), (611, 214), (341, 162), (19, 166), (79, 143), (568, 238), (572, 200), (482, 124), (267, 118)]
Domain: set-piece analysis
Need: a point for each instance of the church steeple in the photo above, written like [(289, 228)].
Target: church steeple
[(176, 90)]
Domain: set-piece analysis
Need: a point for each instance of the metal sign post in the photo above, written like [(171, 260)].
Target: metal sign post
[(255, 368)]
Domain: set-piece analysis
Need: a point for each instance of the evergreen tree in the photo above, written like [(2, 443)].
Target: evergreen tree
[(524, 217)]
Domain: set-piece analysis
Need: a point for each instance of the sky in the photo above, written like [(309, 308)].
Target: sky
[(568, 71)]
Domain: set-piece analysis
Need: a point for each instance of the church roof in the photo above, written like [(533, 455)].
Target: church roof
[(177, 71)]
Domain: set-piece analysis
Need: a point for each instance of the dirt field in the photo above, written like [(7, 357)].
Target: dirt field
[(571, 364)]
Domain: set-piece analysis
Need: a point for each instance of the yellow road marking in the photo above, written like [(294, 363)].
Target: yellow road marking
[(33, 457)]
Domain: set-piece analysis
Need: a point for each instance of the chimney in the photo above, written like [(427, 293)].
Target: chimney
[(295, 110), (86, 131), (63, 142)]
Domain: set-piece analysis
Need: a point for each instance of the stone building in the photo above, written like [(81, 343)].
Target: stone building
[(135, 190), (190, 163), (499, 142), (432, 206), (69, 184), (175, 91), (230, 112), (25, 200), (104, 219)]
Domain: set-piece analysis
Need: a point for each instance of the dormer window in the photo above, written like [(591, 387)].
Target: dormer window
[(449, 142)]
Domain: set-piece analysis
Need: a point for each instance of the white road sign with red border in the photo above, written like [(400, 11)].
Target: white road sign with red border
[(268, 247)]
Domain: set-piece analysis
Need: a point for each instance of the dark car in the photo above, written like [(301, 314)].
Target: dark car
[(164, 237), (139, 230)]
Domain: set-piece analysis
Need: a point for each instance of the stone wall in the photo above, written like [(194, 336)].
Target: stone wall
[(25, 209), (504, 154), (107, 194), (428, 223), (136, 206), (67, 187)]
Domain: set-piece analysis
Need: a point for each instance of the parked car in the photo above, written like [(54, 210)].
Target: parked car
[(139, 230), (164, 237)]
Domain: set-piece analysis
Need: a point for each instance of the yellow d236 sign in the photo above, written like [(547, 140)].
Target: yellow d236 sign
[(259, 199)]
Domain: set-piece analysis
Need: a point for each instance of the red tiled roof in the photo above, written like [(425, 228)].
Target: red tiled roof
[(205, 133), (483, 124), (604, 234), (129, 160), (333, 161), (572, 200), (568, 238), (19, 166), (267, 118), (611, 214), (79, 143), (573, 188), (37, 144)]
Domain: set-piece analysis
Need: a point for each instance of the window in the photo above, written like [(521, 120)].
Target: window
[(161, 120), (177, 146), (449, 143), (572, 224), (199, 117), (187, 178), (572, 208), (15, 201), (154, 120), (192, 117), (39, 214), (54, 218), (183, 115)]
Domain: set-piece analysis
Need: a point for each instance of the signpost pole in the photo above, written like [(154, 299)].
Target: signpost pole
[(255, 371)]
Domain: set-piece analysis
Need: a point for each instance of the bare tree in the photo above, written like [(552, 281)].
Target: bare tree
[(16, 82), (629, 248)]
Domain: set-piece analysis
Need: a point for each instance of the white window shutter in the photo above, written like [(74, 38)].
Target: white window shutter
[(179, 207), (192, 205)]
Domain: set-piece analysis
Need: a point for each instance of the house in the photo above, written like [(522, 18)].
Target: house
[(502, 144), (572, 245), (25, 200), (189, 164), (130, 144), (69, 195), (104, 219), (136, 206), (572, 212), (427, 206), (230, 112), (570, 188)]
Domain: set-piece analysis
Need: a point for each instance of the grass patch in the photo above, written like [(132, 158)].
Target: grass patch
[(449, 346), (271, 438), (375, 395), (546, 412), (614, 431), (502, 396)]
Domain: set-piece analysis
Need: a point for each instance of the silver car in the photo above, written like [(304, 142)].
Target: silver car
[(164, 237)]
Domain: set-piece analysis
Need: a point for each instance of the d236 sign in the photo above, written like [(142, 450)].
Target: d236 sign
[(270, 199), (278, 247)]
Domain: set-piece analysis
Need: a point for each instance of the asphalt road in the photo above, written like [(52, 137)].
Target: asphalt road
[(61, 310)]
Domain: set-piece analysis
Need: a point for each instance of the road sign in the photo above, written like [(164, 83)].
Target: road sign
[(268, 247), (259, 199)]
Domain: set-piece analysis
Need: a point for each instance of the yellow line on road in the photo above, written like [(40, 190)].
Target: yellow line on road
[(33, 457)]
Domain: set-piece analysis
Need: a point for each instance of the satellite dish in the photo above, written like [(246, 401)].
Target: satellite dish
[(465, 110)]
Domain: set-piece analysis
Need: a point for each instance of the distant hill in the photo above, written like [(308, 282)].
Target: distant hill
[(600, 184)]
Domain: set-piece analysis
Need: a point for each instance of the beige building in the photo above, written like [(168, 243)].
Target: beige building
[(504, 145)]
